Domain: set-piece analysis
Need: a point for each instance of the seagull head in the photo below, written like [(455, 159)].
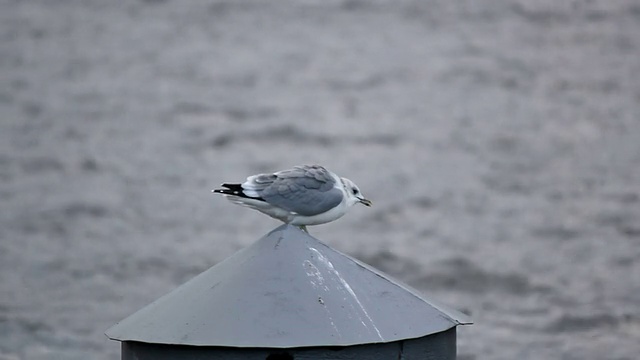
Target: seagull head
[(354, 195)]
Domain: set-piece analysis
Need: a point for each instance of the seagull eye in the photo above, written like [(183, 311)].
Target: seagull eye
[(355, 191)]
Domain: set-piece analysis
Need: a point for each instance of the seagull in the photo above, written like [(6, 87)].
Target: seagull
[(301, 196)]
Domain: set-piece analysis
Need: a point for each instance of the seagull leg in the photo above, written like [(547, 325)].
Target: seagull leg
[(304, 228)]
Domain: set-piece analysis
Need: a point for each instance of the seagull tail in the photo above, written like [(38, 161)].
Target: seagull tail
[(230, 189), (234, 190)]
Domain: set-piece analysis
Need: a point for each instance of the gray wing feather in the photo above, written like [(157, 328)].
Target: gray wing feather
[(264, 180), (306, 190)]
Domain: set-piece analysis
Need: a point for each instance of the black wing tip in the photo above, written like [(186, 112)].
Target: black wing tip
[(235, 190), (231, 189), (231, 192)]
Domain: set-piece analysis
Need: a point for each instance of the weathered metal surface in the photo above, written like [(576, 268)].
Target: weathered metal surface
[(287, 290)]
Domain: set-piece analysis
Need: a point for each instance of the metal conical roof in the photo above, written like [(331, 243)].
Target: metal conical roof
[(288, 289)]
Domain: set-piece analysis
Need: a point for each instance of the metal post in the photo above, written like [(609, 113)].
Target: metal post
[(290, 296)]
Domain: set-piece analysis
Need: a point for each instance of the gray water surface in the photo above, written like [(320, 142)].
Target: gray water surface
[(498, 140)]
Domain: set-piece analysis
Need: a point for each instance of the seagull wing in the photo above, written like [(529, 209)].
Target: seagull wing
[(306, 190)]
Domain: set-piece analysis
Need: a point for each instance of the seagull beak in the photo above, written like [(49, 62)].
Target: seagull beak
[(365, 202)]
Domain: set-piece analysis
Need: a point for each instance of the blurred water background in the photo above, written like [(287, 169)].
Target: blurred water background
[(499, 141)]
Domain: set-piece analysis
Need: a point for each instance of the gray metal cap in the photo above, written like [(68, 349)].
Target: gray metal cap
[(288, 289)]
